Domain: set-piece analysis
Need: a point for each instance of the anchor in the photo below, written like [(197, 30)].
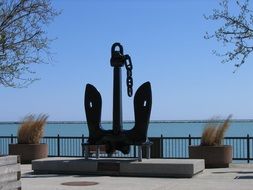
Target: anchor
[(118, 138)]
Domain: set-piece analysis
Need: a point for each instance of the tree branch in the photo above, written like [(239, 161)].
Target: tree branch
[(235, 33), (22, 39)]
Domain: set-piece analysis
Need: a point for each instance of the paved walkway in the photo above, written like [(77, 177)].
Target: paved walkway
[(237, 177)]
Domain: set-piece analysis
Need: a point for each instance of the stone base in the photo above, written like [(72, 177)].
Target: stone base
[(10, 173), (184, 168)]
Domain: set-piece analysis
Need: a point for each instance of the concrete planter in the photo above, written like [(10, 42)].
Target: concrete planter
[(214, 156), (29, 152)]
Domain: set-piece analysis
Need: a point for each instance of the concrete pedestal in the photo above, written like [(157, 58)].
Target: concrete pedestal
[(184, 168)]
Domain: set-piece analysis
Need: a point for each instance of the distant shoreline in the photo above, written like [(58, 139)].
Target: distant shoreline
[(152, 121)]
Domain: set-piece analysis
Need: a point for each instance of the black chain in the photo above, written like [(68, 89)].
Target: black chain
[(129, 80), (118, 59)]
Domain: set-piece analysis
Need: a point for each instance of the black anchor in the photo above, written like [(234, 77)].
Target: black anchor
[(118, 138)]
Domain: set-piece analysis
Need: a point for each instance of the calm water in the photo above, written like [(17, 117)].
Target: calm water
[(165, 128)]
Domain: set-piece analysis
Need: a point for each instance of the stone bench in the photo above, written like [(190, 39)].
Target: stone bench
[(10, 173)]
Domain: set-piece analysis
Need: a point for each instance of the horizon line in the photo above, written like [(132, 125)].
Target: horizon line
[(132, 121)]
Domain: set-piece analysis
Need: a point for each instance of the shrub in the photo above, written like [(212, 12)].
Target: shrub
[(214, 132), (32, 129)]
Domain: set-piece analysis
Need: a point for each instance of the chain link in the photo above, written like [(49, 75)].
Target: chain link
[(129, 80)]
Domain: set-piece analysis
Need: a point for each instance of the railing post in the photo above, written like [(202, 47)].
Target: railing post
[(134, 151), (190, 140), (161, 147), (248, 149), (82, 145), (58, 145), (11, 138)]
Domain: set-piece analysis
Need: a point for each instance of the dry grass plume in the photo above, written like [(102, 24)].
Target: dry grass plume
[(32, 129), (214, 132)]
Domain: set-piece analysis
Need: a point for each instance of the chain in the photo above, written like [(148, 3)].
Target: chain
[(118, 59), (129, 80)]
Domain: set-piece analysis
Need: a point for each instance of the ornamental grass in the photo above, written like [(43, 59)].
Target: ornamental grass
[(32, 129), (213, 133)]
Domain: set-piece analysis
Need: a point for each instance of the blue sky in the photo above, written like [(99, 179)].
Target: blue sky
[(165, 41)]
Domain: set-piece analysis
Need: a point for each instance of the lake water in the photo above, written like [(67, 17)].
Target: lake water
[(156, 129)]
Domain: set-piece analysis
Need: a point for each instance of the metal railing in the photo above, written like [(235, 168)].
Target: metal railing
[(163, 147)]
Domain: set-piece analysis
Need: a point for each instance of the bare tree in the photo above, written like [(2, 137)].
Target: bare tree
[(236, 31), (23, 40)]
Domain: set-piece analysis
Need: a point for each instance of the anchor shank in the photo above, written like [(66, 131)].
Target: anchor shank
[(117, 101)]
